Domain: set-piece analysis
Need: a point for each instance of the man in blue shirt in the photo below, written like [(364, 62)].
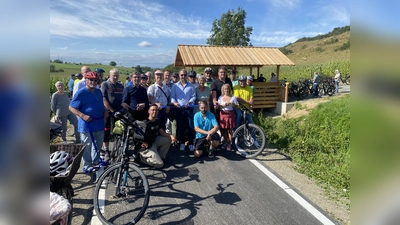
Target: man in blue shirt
[(135, 99), (71, 83), (87, 104), (183, 95), (206, 127)]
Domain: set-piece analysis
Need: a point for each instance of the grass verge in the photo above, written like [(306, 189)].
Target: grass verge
[(318, 143)]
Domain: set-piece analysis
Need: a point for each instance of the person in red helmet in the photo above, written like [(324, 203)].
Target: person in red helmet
[(87, 104)]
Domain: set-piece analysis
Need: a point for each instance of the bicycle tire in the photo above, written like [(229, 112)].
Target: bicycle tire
[(132, 201), (243, 142), (348, 81), (330, 91)]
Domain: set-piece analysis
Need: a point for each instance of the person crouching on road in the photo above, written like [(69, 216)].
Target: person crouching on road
[(206, 127), (156, 142)]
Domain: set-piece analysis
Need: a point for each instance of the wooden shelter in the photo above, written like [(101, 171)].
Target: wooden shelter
[(230, 56), (266, 93)]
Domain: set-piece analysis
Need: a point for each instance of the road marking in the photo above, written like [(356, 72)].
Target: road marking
[(317, 214), (102, 197)]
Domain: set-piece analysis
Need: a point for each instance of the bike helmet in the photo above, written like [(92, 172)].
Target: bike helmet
[(250, 78), (192, 73), (91, 75), (59, 162), (242, 77), (208, 70), (99, 70)]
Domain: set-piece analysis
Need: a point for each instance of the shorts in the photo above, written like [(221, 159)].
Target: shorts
[(201, 143)]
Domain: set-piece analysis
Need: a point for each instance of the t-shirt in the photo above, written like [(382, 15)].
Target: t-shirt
[(229, 107), (158, 95), (152, 128), (90, 104), (113, 93), (217, 84), (246, 93), (206, 124)]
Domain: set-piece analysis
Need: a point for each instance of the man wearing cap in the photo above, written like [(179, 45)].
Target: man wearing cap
[(208, 75), (81, 83), (192, 78), (232, 75), (87, 105), (143, 81), (135, 98), (249, 82), (112, 91), (174, 77), (159, 94), (71, 83)]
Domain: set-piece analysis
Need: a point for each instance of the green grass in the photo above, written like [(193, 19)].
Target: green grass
[(319, 143)]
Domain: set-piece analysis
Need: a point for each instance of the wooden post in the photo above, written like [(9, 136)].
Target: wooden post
[(286, 91), (277, 73), (251, 70), (258, 71)]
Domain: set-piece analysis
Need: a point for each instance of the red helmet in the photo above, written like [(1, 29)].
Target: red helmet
[(91, 75)]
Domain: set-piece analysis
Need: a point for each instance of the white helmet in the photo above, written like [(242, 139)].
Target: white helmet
[(59, 162)]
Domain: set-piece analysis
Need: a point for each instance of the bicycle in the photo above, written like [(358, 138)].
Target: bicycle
[(346, 79), (248, 139), (123, 185)]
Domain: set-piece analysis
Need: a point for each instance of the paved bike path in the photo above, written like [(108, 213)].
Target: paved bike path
[(224, 190)]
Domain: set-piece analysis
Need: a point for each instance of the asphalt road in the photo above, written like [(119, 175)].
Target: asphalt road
[(224, 190)]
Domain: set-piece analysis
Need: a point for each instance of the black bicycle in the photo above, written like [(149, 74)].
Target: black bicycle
[(122, 194), (346, 79), (248, 139)]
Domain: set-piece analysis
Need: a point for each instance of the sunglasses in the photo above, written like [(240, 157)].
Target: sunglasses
[(192, 76), (183, 75)]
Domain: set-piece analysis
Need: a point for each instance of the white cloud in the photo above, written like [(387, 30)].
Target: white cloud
[(288, 4), (145, 44), (126, 19), (64, 48), (279, 38)]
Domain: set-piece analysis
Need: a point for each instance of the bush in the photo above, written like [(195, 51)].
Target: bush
[(319, 143)]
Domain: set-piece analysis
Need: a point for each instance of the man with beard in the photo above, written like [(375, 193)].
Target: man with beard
[(87, 104), (206, 127)]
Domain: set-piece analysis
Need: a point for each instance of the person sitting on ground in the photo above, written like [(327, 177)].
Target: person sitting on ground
[(156, 141), (206, 127)]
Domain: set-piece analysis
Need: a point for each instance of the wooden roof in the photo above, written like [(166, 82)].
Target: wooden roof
[(204, 56)]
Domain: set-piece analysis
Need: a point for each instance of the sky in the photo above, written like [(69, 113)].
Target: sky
[(147, 33)]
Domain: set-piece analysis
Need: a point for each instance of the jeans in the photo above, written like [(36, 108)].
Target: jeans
[(90, 155), (315, 88), (64, 123), (184, 121), (337, 86), (238, 117)]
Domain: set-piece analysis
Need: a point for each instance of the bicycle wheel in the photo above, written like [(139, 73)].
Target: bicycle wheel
[(121, 195), (330, 91), (249, 141), (115, 151)]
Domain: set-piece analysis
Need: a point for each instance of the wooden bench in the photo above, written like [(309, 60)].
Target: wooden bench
[(266, 94)]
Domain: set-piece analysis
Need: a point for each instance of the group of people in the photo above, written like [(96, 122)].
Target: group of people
[(183, 107)]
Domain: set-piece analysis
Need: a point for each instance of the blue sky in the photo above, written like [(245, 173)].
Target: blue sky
[(147, 33)]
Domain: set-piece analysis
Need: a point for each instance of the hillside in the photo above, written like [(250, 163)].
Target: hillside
[(309, 51)]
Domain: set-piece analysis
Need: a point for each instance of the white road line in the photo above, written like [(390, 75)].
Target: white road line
[(317, 214), (102, 196)]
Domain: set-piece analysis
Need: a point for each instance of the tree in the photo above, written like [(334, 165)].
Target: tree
[(138, 69), (230, 30), (113, 63)]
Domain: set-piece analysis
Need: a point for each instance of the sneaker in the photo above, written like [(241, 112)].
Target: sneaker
[(64, 142), (191, 148), (182, 148), (89, 169), (105, 155)]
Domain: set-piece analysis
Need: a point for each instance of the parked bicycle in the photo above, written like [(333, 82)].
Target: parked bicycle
[(121, 195), (248, 139), (346, 79), (326, 87)]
